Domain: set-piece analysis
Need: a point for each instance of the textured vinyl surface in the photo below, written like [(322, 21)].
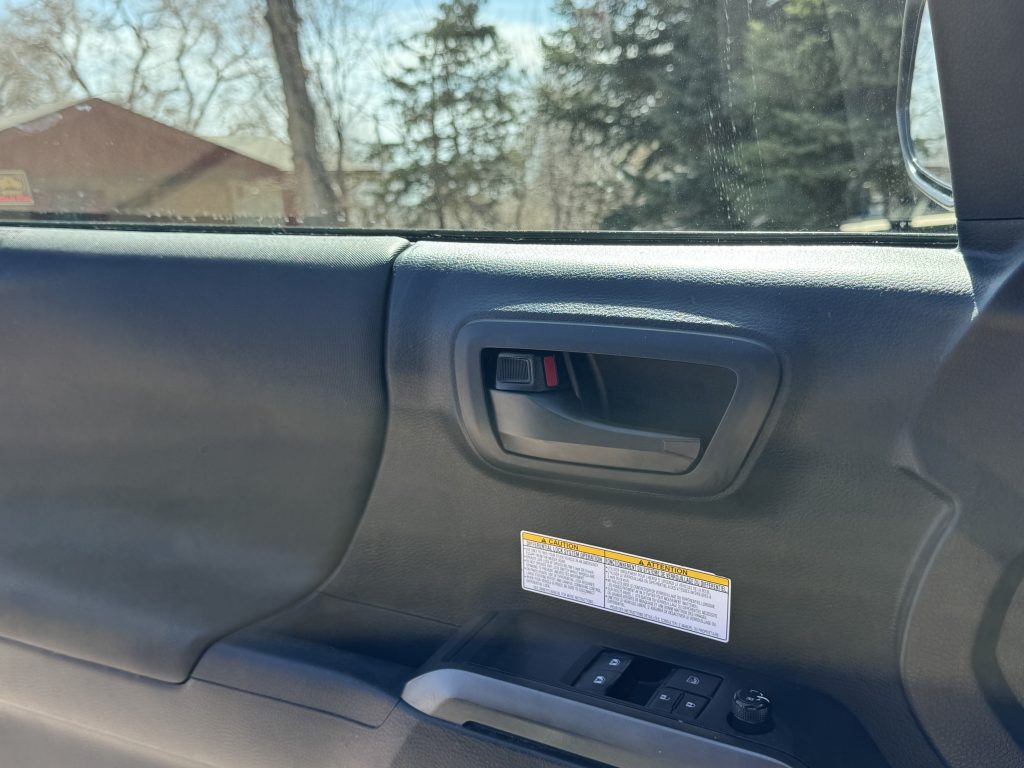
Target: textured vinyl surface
[(189, 426), (23, 735), (823, 533), (73, 713), (964, 641)]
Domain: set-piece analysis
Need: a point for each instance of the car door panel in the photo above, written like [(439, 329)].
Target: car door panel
[(174, 560), (963, 636), (22, 732), (190, 427), (836, 532), (263, 491), (828, 479)]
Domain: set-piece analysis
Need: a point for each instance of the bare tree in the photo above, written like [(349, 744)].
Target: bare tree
[(17, 86), (216, 46), (342, 42), (44, 44), (189, 63), (139, 23), (315, 196)]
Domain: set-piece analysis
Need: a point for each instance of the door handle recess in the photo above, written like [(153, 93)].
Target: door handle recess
[(548, 426), (727, 439)]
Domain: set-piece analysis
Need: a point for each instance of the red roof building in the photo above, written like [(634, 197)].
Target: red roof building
[(93, 159)]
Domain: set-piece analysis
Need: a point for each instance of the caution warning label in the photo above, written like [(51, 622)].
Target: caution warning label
[(650, 590)]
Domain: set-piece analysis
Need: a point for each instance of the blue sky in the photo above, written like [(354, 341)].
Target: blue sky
[(519, 22), (536, 12)]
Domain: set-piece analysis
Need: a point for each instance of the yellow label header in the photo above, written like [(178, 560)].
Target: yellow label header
[(622, 557)]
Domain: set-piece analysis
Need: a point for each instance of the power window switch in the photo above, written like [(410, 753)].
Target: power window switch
[(664, 700), (690, 705), (610, 661), (596, 680), (604, 672)]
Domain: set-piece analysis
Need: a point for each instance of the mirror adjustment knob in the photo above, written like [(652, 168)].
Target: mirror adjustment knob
[(751, 711)]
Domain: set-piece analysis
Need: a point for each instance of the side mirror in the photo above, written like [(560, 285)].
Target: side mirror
[(919, 117)]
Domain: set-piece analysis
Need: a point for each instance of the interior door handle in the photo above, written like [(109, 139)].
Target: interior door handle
[(547, 425)]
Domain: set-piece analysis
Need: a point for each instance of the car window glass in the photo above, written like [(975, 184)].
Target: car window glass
[(637, 115)]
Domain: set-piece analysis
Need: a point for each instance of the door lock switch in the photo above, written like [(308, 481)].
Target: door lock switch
[(690, 705)]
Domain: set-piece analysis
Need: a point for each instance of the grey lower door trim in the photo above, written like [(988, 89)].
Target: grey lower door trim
[(460, 697)]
